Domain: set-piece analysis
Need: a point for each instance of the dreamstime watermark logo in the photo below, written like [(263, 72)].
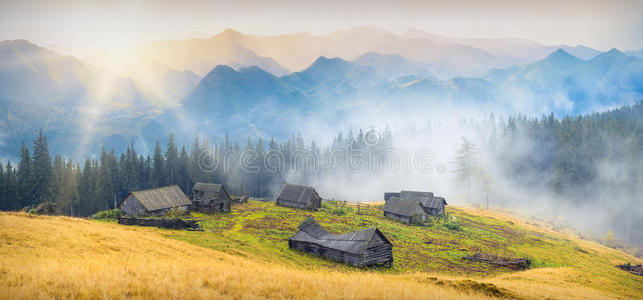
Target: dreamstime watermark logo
[(369, 153)]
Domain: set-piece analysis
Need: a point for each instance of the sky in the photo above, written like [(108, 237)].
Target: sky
[(120, 24)]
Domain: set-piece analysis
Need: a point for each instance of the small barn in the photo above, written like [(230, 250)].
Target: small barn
[(405, 211), (154, 201), (360, 248), (432, 205), (210, 198), (298, 196), (423, 198), (389, 195), (436, 206)]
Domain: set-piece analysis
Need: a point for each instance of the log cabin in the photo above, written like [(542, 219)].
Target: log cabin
[(153, 202), (210, 198), (405, 211), (298, 196), (433, 206), (362, 248)]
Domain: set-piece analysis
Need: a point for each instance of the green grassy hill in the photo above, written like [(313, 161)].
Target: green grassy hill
[(260, 230), (244, 254)]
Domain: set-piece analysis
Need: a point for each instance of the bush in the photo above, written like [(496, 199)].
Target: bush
[(338, 211), (176, 213), (112, 214), (453, 225)]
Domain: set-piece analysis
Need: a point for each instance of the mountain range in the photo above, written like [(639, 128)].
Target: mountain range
[(282, 54), (380, 77)]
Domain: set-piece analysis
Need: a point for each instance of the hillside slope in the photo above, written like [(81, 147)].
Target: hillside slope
[(60, 257), (245, 254)]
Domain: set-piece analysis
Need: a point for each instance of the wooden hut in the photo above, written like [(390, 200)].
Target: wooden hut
[(298, 196), (405, 211), (210, 198), (389, 195), (432, 205), (154, 201), (421, 197), (360, 248), (436, 206)]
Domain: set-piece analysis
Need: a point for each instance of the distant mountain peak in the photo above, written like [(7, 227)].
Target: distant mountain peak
[(610, 56), (615, 52), (220, 71), (230, 34), (561, 56), (324, 61), (19, 43)]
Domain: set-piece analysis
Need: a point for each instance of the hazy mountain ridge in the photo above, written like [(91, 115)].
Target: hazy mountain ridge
[(252, 101), (513, 47), (229, 47), (449, 57)]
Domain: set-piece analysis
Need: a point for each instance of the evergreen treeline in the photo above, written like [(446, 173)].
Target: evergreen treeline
[(81, 189), (575, 157)]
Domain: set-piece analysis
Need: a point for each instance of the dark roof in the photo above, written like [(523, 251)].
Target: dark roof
[(161, 198), (354, 242), (436, 202), (207, 187), (423, 198), (403, 207), (209, 191), (296, 193)]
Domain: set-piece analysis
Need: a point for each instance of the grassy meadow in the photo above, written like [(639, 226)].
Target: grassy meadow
[(244, 254)]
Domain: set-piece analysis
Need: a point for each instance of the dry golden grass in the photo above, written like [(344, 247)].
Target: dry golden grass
[(594, 278), (60, 257)]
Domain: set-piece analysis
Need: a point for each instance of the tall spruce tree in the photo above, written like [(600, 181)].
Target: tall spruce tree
[(4, 202), (42, 172), (184, 175), (172, 163), (104, 182), (465, 165), (58, 180), (193, 166), (86, 190), (25, 181), (158, 167), (11, 188)]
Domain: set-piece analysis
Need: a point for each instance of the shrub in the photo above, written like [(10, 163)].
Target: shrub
[(453, 225), (338, 211), (176, 213), (108, 214)]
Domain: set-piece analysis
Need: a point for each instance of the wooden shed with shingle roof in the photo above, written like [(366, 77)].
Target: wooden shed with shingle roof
[(210, 197), (405, 211), (431, 204), (154, 201), (299, 196), (360, 248)]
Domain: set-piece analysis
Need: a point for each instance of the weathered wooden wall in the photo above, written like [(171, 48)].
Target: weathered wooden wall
[(131, 206), (376, 253)]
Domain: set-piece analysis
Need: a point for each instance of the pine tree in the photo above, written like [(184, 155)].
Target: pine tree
[(172, 163), (42, 171), (68, 193), (465, 165), (4, 202), (25, 181), (114, 170), (158, 167), (58, 180), (184, 175), (86, 190), (193, 166), (11, 188), (104, 183)]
